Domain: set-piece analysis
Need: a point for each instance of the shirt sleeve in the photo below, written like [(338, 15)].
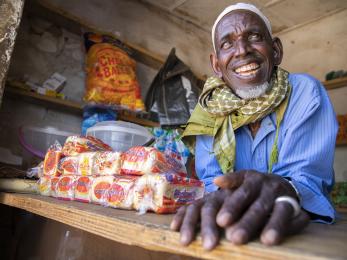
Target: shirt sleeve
[(206, 165), (306, 154)]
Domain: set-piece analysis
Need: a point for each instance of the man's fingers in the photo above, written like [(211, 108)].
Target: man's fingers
[(251, 222), (178, 218), (229, 181), (189, 223), (282, 224), (235, 204), (209, 228), (277, 226)]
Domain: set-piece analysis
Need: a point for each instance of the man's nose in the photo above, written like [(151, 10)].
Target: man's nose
[(241, 49)]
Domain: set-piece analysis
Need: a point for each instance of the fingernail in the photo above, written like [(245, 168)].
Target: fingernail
[(224, 219), (184, 239), (173, 226), (270, 237), (239, 236), (208, 243)]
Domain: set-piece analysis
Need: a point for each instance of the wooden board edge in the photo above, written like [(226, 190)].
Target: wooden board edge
[(335, 83), (151, 238)]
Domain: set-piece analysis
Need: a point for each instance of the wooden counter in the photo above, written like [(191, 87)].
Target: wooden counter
[(152, 232)]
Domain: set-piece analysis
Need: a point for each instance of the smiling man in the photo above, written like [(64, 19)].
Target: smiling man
[(263, 139)]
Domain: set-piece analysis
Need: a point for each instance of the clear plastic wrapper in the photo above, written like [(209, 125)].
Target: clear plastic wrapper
[(65, 188), (165, 193), (121, 192), (35, 172), (141, 160), (99, 188), (69, 165), (54, 184), (91, 163), (107, 163), (44, 185), (75, 145), (82, 188), (52, 158)]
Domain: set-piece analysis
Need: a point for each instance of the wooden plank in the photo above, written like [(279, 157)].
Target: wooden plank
[(16, 90), (335, 83), (46, 101), (152, 232)]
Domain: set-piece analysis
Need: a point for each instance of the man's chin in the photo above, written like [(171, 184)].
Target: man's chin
[(252, 91)]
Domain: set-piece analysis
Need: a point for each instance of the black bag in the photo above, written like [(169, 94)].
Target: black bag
[(173, 93)]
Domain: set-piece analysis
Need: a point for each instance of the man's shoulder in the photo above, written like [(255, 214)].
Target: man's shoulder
[(305, 88)]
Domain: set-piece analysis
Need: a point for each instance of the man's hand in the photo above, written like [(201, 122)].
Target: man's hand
[(245, 208)]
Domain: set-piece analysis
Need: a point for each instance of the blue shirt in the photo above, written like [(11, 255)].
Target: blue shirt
[(306, 146)]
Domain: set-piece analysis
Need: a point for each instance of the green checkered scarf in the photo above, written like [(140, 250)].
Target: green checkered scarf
[(220, 112)]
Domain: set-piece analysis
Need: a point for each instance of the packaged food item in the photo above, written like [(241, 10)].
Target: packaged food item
[(52, 158), (82, 188), (100, 187), (54, 183), (86, 163), (111, 78), (121, 192), (74, 145), (68, 165), (107, 163), (45, 185), (141, 160), (65, 188), (165, 193)]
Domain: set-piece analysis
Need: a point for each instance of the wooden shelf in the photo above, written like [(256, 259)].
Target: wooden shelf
[(152, 232), (12, 91), (335, 83)]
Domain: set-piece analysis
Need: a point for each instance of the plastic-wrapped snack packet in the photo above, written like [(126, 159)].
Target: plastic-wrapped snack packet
[(68, 165), (82, 188), (54, 183), (99, 188), (165, 193), (86, 163), (75, 145), (107, 163), (148, 160), (65, 188), (121, 192), (52, 158), (44, 185)]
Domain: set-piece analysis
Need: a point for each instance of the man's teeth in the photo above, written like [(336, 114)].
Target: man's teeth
[(248, 69)]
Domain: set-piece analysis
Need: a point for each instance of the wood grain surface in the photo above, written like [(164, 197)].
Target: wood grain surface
[(151, 231)]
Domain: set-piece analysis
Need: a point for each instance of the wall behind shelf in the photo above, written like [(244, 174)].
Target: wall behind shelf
[(41, 49)]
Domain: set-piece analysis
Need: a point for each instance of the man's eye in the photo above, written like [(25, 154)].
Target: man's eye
[(254, 37), (226, 45)]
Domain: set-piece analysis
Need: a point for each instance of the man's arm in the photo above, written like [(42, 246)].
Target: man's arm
[(308, 155)]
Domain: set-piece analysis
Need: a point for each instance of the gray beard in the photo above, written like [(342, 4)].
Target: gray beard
[(253, 92)]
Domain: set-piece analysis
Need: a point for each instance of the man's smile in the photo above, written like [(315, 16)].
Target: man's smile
[(248, 69)]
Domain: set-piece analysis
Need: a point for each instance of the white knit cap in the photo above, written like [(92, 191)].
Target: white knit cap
[(239, 6)]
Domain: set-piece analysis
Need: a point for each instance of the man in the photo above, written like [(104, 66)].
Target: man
[(268, 135)]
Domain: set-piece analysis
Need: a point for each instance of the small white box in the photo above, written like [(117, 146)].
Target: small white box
[(55, 82)]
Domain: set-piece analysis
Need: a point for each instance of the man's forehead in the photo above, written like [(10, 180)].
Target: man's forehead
[(239, 19)]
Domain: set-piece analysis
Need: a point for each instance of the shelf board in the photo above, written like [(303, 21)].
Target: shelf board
[(335, 83), (12, 90), (151, 231)]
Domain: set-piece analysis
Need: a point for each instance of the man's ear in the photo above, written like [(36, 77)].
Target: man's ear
[(278, 50), (214, 65)]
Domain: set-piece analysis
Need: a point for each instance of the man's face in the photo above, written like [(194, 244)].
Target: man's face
[(246, 54)]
